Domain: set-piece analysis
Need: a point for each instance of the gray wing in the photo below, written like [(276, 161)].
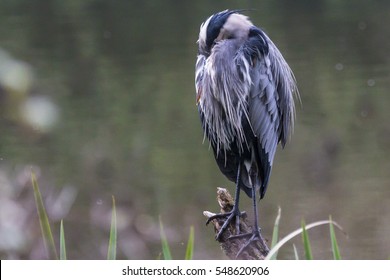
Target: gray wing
[(270, 103), (286, 88), (264, 114)]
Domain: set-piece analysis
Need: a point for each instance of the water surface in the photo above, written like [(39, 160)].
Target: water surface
[(98, 98)]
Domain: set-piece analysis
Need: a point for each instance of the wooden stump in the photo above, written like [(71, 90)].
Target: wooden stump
[(256, 250)]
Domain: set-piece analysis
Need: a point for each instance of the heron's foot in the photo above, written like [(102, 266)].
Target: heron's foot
[(229, 216), (253, 237)]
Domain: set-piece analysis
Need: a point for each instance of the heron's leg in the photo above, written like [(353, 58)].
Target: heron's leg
[(234, 213), (256, 230), (255, 235)]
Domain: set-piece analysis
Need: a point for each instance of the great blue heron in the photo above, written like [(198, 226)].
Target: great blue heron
[(244, 94)]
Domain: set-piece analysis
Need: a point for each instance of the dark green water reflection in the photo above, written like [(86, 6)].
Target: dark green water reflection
[(98, 96)]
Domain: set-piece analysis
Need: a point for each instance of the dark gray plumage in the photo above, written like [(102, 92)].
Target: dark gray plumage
[(244, 93)]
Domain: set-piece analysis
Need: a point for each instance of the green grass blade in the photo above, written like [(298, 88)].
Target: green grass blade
[(298, 231), (164, 243), (275, 233), (111, 254), (306, 242), (44, 221), (333, 240), (295, 252), (190, 245), (62, 242)]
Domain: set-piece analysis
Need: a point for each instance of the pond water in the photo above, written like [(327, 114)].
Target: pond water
[(97, 97)]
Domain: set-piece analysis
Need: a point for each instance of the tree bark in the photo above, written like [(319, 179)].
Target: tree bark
[(256, 250)]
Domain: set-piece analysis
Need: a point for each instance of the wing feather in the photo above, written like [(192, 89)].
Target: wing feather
[(271, 105)]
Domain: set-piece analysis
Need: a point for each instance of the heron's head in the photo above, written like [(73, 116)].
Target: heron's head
[(224, 25)]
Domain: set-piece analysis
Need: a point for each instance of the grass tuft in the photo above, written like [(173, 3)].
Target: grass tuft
[(44, 221), (296, 232), (333, 240), (164, 243), (111, 254), (295, 252), (275, 233), (190, 245), (306, 242), (166, 251), (62, 242)]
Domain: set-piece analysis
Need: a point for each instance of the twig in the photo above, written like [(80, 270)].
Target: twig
[(257, 250)]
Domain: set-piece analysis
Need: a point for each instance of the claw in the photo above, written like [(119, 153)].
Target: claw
[(229, 217), (253, 237)]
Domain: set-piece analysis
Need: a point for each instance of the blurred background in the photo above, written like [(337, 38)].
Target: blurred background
[(97, 97)]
